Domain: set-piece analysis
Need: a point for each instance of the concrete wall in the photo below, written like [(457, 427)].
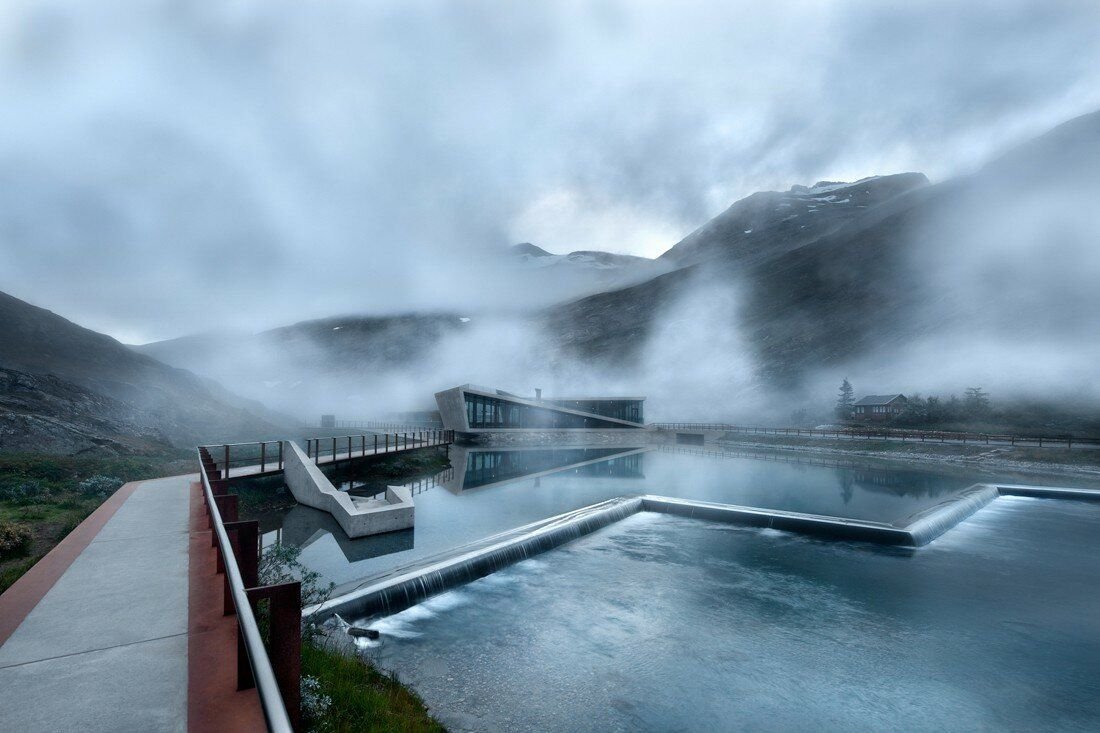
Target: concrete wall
[(312, 488), (452, 409)]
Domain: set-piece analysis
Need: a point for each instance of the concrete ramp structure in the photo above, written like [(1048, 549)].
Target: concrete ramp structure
[(358, 517)]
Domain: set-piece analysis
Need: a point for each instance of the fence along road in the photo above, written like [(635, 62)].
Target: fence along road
[(913, 436)]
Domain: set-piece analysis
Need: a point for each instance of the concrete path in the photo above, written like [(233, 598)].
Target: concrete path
[(105, 648)]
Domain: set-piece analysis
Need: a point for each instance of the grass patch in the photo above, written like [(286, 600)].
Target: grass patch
[(260, 496), (360, 696), (340, 692)]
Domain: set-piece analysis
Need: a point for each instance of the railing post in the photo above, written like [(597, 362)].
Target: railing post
[(376, 442), (244, 538), (280, 455), (286, 641), (386, 449), (245, 680), (263, 456), (334, 449), (227, 507), (227, 460)]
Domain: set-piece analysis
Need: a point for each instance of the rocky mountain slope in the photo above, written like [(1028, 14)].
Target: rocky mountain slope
[(578, 273), (529, 254), (41, 413), (79, 372), (770, 223)]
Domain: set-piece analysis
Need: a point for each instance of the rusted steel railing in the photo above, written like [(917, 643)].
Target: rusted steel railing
[(274, 672), (236, 459), (349, 447), (941, 436)]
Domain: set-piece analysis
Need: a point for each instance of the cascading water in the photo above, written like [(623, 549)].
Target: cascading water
[(412, 586), (931, 523), (398, 593), (800, 522)]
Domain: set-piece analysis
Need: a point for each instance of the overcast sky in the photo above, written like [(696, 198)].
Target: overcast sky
[(169, 167)]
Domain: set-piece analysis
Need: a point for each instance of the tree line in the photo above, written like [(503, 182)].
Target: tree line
[(974, 406)]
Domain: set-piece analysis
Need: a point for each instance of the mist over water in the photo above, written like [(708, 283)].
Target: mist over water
[(253, 164)]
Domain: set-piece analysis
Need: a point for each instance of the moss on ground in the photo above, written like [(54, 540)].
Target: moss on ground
[(361, 697)]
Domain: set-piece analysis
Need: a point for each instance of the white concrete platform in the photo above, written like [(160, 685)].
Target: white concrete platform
[(358, 517)]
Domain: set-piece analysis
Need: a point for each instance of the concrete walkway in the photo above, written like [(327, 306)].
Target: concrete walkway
[(106, 647)]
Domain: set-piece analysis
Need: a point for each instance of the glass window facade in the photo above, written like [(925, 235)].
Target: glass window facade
[(630, 410), (492, 412)]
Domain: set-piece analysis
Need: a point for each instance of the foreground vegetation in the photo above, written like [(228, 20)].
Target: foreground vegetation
[(347, 693), (44, 497)]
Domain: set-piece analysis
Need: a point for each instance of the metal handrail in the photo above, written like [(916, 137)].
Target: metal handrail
[(271, 699), (331, 445)]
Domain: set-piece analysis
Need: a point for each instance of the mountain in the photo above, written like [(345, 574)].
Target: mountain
[(748, 246), (582, 272), (790, 285), (42, 413), (770, 223), (528, 254), (824, 276), (527, 250), (78, 372), (309, 367)]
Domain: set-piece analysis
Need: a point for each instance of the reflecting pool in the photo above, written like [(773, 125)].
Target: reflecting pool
[(490, 490)]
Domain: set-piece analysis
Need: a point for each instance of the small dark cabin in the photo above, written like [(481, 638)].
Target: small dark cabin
[(879, 406)]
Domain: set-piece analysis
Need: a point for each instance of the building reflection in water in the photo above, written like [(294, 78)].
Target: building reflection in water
[(479, 468)]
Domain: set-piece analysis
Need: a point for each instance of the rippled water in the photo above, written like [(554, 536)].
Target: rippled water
[(662, 623)]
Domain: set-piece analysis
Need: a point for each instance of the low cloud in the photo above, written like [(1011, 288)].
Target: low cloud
[(176, 166)]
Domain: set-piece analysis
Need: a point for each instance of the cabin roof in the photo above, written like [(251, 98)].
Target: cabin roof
[(878, 399)]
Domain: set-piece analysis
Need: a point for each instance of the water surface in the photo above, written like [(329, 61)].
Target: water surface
[(663, 623), (489, 491)]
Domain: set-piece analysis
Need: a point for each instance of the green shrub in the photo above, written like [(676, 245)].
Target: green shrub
[(15, 539), (32, 490), (99, 485)]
